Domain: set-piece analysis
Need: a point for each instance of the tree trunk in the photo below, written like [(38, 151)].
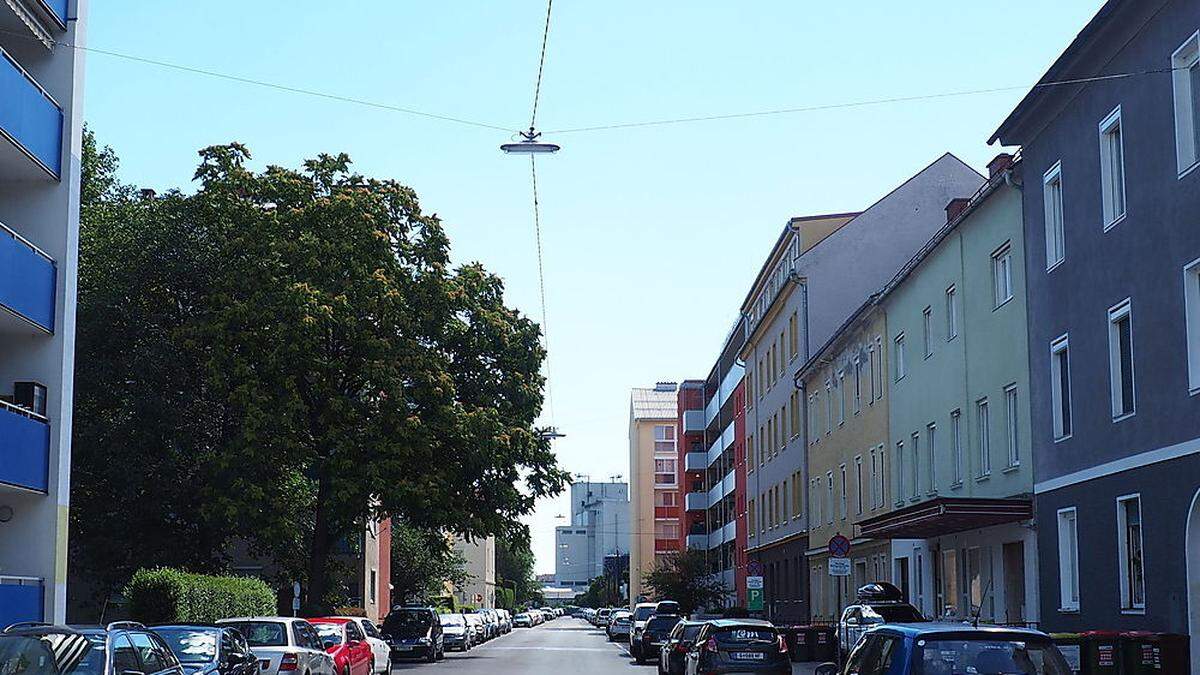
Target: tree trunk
[(318, 556)]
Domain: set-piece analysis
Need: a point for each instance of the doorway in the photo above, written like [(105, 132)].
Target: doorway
[(901, 576), (1014, 582)]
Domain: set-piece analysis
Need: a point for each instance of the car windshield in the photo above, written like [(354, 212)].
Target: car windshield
[(989, 657), (406, 623), (262, 633), (51, 654), (330, 633), (891, 614), (642, 613), (191, 645)]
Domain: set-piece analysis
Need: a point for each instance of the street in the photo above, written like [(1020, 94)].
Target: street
[(548, 648)]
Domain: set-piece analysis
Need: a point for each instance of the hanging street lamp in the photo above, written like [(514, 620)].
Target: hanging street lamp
[(529, 145)]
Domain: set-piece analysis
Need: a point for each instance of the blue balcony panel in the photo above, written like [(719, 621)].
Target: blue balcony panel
[(21, 599), (30, 120), (27, 280), (24, 449), (57, 9)]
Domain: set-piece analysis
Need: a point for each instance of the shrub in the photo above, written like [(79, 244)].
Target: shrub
[(165, 595)]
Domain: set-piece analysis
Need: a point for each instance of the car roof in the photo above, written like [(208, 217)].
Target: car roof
[(44, 629), (961, 629), (189, 626), (331, 619), (646, 604), (264, 619), (730, 623)]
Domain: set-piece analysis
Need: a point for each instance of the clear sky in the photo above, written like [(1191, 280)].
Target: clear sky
[(651, 235)]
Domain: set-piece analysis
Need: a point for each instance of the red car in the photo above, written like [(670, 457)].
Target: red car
[(343, 639)]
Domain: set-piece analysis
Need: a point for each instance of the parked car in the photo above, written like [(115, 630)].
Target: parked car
[(455, 632), (949, 648), (667, 607), (522, 620), (641, 614), (652, 636), (475, 625), (620, 626), (672, 656), (345, 641), (205, 650), (602, 615), (505, 620), (379, 647), (878, 603), (283, 643), (739, 646), (414, 632), (40, 649), (489, 622)]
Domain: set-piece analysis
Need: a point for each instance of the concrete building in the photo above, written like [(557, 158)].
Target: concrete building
[(480, 588), (959, 452), (1110, 202), (41, 124), (847, 458), (653, 480), (820, 269), (599, 527)]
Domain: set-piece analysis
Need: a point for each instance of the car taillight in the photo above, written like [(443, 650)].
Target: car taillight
[(711, 645), (782, 645), (680, 647), (288, 662)]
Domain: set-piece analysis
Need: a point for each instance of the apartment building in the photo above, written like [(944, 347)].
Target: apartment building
[(479, 590), (653, 480), (847, 456), (599, 527), (41, 91), (1110, 203), (959, 454)]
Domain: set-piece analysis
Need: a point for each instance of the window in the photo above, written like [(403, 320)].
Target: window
[(750, 453), (664, 438), (844, 492), (931, 455), (985, 433), (956, 445), (793, 336), (1191, 297), (1129, 544), (374, 584), (1010, 419), (916, 465), (858, 481), (951, 313), (1120, 359), (829, 497), (664, 472), (1052, 198), (898, 356), (878, 391), (751, 518), (857, 385), (874, 480), (828, 406), (1185, 64), (881, 483), (1112, 168), (1060, 386), (899, 461), (927, 335), (1002, 287), (1068, 560), (841, 387), (666, 498), (871, 368)]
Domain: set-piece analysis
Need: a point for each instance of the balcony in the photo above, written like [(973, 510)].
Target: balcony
[(27, 280), (666, 545), (695, 501), (57, 9), (24, 449), (693, 421), (21, 599), (697, 542), (695, 461), (661, 512), (720, 490), (31, 123)]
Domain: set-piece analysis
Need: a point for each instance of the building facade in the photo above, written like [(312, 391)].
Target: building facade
[(41, 125), (1110, 201), (653, 480), (960, 455), (479, 590), (847, 456), (599, 527)]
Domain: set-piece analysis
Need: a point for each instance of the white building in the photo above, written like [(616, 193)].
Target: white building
[(41, 123), (480, 588), (599, 527)]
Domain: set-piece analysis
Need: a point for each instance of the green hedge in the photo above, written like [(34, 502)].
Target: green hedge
[(165, 595)]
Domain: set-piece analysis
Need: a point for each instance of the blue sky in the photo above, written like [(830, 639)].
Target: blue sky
[(651, 235)]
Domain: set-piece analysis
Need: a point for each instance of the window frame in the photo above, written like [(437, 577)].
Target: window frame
[(956, 445), (1191, 302), (931, 453), (1002, 269), (1012, 425), (1066, 603), (1128, 605), (927, 330), (1055, 216), (1187, 131), (983, 423), (1061, 427), (858, 481), (951, 312), (898, 356), (898, 460), (1111, 125), (1121, 311), (916, 466)]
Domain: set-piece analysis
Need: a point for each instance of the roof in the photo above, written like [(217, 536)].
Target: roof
[(781, 245), (653, 404), (945, 627)]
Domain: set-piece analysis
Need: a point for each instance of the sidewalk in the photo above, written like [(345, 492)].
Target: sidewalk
[(806, 668)]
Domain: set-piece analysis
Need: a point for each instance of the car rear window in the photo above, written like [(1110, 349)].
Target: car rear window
[(744, 634), (690, 632), (662, 623), (262, 633), (642, 613), (891, 614)]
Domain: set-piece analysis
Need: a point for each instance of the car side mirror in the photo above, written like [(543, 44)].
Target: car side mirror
[(826, 669)]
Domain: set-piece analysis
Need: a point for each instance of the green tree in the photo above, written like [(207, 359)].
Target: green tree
[(422, 563), (514, 569), (684, 578)]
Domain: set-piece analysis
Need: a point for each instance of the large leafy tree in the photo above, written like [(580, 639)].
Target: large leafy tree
[(423, 562), (684, 578), (317, 362), (514, 569)]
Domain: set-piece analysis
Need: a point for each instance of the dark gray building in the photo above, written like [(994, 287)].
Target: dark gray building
[(1111, 201)]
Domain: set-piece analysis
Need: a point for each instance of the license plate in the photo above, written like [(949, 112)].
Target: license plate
[(749, 656), (402, 648)]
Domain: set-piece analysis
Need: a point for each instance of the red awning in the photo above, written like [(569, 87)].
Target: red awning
[(945, 515)]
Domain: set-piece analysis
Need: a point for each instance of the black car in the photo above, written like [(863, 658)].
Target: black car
[(209, 650), (651, 638), (672, 656), (414, 632), (738, 646), (119, 648)]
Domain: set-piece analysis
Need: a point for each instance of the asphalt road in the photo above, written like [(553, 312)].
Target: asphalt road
[(565, 646)]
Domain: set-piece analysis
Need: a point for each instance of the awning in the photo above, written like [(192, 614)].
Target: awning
[(945, 515)]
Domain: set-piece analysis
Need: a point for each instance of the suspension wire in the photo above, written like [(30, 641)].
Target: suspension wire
[(537, 87), (537, 233)]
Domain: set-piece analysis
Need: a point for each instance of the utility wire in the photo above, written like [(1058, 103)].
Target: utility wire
[(537, 234), (537, 87)]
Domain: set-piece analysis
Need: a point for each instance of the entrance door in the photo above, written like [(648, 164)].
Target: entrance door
[(901, 576), (1014, 582)]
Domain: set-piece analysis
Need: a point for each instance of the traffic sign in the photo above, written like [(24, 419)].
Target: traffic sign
[(754, 568), (754, 582), (754, 599), (839, 567), (839, 546)]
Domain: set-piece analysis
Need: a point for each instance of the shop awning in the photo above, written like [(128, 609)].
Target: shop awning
[(945, 515)]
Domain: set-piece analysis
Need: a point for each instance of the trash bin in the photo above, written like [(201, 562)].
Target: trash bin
[(1100, 653), (800, 642), (1146, 653), (824, 644), (1071, 646)]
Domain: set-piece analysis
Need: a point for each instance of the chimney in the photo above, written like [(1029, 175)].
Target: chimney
[(955, 207), (665, 386), (999, 165)]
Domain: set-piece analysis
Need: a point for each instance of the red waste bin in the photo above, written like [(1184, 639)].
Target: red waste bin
[(1101, 653), (1146, 653)]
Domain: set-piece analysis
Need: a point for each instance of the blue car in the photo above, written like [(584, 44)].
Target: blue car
[(951, 649)]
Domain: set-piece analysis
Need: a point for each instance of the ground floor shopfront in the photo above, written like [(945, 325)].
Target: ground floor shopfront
[(785, 578), (870, 561)]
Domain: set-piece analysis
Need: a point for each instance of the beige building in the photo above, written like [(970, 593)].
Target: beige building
[(653, 480), (845, 385), (480, 588)]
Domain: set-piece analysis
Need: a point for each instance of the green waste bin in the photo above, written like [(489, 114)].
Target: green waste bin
[(1100, 653), (1147, 653), (1071, 646), (824, 644)]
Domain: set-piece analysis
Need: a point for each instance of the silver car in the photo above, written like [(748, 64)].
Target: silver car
[(284, 643)]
